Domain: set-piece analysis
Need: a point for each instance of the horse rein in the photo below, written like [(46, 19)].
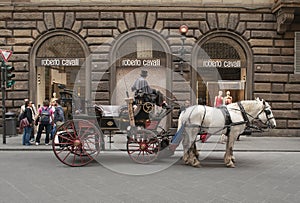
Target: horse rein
[(246, 119)]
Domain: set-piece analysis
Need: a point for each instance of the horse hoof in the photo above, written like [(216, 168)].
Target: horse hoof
[(230, 165), (197, 166), (195, 163)]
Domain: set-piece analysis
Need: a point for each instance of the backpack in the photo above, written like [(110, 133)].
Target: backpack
[(59, 114), (45, 116)]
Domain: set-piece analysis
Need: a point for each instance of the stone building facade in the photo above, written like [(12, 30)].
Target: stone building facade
[(96, 44)]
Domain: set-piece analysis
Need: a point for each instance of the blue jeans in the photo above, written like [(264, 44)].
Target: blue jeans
[(26, 135), (53, 130)]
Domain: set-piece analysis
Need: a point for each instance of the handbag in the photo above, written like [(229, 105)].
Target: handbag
[(24, 123)]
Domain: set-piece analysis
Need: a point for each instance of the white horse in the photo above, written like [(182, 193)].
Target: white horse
[(231, 122)]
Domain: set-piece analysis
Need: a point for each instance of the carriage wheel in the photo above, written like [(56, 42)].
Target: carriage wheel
[(76, 142), (143, 146)]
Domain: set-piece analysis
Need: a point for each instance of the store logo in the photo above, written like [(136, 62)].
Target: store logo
[(140, 62), (59, 62), (221, 63)]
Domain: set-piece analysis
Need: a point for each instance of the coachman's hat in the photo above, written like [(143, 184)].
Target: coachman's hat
[(144, 73)]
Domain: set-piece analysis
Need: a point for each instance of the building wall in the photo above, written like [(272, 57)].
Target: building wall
[(21, 25), (256, 2)]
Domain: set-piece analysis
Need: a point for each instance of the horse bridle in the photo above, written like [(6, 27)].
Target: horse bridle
[(264, 110), (267, 111)]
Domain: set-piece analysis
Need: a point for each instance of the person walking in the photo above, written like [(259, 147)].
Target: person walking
[(27, 129), (45, 113)]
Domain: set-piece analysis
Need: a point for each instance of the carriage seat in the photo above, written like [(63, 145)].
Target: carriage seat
[(108, 110)]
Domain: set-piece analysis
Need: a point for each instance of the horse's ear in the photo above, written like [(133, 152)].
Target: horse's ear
[(264, 102), (257, 99)]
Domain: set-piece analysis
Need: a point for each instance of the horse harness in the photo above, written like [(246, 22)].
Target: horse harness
[(227, 117), (228, 122)]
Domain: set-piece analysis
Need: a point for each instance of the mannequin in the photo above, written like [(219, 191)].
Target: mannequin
[(228, 98), (219, 99)]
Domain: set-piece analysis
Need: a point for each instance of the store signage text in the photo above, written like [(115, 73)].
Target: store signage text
[(59, 62), (221, 63), (140, 62)]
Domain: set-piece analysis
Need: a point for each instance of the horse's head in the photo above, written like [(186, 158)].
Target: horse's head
[(266, 116)]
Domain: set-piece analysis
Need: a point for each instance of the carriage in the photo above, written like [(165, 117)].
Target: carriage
[(80, 139)]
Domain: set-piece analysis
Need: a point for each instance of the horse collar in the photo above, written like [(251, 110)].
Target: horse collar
[(227, 117), (244, 114)]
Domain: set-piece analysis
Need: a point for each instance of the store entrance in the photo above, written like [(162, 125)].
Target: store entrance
[(59, 63), (220, 67)]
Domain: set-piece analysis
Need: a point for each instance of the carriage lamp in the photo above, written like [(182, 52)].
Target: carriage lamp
[(183, 29)]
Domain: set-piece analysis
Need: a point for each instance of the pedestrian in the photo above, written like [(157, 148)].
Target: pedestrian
[(34, 115), (28, 127), (45, 113), (59, 117), (52, 107), (22, 109), (21, 115)]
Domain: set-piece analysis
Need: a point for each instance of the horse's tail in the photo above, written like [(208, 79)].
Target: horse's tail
[(178, 135)]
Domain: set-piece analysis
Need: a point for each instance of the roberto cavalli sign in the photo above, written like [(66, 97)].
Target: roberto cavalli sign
[(59, 61), (140, 62), (221, 63)]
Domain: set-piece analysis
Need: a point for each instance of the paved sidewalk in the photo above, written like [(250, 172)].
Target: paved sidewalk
[(246, 143)]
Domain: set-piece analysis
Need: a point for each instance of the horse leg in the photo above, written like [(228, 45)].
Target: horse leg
[(190, 156), (223, 138), (228, 157), (186, 147), (193, 159), (195, 150)]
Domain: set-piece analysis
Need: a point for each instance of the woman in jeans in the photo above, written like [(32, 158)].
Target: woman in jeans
[(27, 129)]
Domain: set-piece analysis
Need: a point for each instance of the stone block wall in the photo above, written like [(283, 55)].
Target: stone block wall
[(99, 26)]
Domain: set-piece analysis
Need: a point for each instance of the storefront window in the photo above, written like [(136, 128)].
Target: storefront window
[(221, 66), (60, 61), (139, 52)]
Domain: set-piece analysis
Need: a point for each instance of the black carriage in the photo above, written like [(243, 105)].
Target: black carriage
[(79, 140)]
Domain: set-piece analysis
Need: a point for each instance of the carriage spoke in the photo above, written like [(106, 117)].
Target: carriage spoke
[(144, 149), (76, 142)]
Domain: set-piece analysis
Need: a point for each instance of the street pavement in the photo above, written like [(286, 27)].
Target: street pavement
[(267, 170), (246, 143)]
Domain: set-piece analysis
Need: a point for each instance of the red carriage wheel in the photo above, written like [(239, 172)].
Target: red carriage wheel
[(76, 142), (143, 146)]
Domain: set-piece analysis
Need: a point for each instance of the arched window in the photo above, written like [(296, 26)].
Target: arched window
[(59, 58), (221, 65), (136, 51)]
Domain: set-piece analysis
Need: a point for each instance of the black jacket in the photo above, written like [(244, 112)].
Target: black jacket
[(28, 114)]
